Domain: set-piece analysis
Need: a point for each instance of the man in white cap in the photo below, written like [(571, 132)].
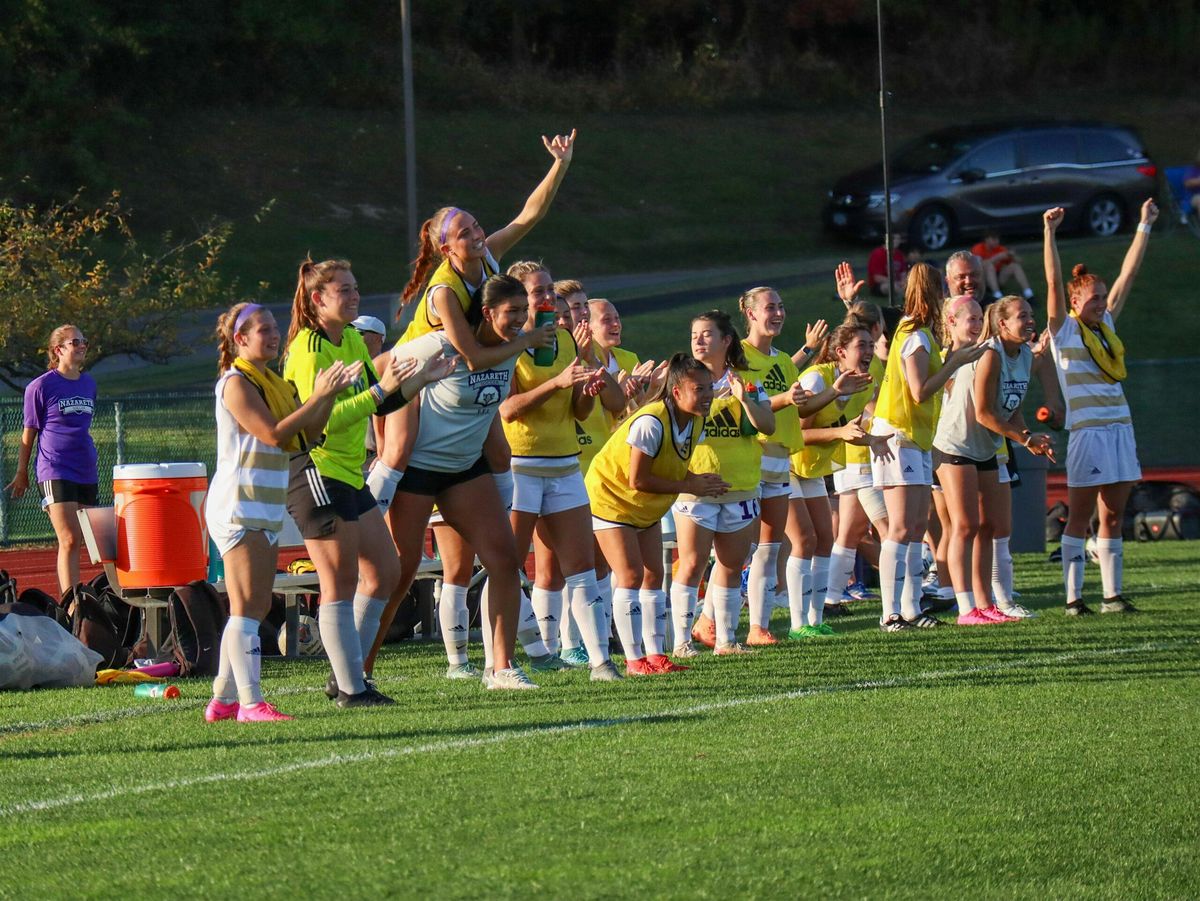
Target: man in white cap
[(373, 332)]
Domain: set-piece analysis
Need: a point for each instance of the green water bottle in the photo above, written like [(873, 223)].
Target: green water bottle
[(151, 690), (544, 315)]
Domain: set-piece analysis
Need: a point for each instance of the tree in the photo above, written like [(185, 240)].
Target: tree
[(66, 264)]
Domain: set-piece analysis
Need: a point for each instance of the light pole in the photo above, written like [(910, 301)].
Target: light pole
[(410, 139), (887, 188)]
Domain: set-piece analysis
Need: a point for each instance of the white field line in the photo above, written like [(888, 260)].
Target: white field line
[(26, 807)]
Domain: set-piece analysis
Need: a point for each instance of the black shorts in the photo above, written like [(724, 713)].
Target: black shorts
[(317, 502), (64, 491), (431, 483), (988, 465)]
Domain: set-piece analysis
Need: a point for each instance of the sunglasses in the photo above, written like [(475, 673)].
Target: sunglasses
[(75, 342)]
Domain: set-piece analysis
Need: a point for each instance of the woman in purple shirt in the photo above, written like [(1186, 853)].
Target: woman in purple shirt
[(58, 413)]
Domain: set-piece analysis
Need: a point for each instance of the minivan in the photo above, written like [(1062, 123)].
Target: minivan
[(961, 182)]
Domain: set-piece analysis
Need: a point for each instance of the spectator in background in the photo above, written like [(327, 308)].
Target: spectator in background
[(58, 412), (1191, 183), (877, 270), (999, 265), (373, 333)]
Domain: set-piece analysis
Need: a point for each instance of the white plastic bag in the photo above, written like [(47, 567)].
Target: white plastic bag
[(35, 650)]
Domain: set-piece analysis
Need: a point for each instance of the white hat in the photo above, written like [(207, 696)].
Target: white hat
[(370, 324)]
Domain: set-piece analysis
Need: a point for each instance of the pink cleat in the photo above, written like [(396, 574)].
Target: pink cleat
[(997, 616), (976, 618), (218, 710), (261, 713)]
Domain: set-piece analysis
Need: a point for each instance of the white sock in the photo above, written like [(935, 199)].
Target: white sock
[(627, 617), (382, 481), (1002, 572), (485, 625), (654, 619), (528, 632), (547, 604), (966, 602), (606, 590), (1072, 564), (892, 568), (452, 619), (760, 591), (587, 609), (568, 632), (1111, 552), (910, 595), (683, 611), (368, 611), (224, 687), (799, 586), (245, 657), (820, 588), (335, 621), (727, 605), (841, 571)]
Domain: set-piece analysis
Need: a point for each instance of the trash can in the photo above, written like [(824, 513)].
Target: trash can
[(161, 537), (1029, 504)]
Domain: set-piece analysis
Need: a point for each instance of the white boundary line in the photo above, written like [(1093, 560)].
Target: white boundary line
[(27, 807)]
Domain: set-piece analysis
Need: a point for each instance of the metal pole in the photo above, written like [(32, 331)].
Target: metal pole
[(3, 481), (887, 188), (410, 140)]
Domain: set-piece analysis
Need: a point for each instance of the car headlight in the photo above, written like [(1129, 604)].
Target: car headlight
[(875, 201)]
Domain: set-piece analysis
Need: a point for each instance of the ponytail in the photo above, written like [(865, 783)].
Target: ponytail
[(54, 341), (226, 346), (429, 253), (840, 337), (313, 276)]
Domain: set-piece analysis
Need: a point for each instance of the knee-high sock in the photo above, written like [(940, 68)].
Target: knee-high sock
[(1002, 572), (727, 605), (528, 632), (1073, 562), (910, 598), (606, 592), (683, 611), (224, 687), (820, 588), (841, 571), (335, 619), (568, 634), (587, 608), (1111, 552), (367, 613), (760, 590), (245, 657), (799, 586), (892, 570), (654, 619), (627, 617), (485, 625), (452, 619), (547, 605)]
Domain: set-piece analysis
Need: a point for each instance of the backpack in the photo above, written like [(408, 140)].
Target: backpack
[(198, 616), (1056, 522), (8, 588), (105, 624), (1156, 525)]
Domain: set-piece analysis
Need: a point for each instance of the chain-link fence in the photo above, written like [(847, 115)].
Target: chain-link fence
[(139, 428)]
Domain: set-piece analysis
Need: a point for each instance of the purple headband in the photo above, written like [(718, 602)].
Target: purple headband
[(454, 211), (247, 311)]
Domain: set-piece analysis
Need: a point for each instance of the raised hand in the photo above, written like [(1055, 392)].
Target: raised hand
[(542, 337), (1053, 217), (961, 356), (815, 333), (737, 387), (847, 286), (562, 147), (582, 334), (851, 382), (575, 374), (395, 372), (440, 365), (1041, 344), (1149, 211), (595, 383), (799, 394), (329, 382)]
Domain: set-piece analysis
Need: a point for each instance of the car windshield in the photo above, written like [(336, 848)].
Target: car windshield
[(932, 153)]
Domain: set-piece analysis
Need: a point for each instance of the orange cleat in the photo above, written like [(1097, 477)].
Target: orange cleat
[(760, 637), (705, 631), (663, 664), (640, 667)]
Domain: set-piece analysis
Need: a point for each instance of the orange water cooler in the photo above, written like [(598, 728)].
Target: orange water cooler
[(161, 537)]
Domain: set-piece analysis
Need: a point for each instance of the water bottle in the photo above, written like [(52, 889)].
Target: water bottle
[(149, 690), (544, 315)]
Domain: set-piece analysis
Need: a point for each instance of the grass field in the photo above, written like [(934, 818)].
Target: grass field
[(1051, 758)]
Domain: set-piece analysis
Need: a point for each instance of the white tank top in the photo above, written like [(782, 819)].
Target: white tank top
[(959, 432), (1092, 400), (249, 488)]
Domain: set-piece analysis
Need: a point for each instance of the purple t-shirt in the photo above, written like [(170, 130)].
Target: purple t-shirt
[(61, 410)]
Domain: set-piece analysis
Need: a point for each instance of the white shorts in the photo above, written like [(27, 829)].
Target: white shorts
[(227, 536), (774, 489), (852, 478), (908, 466), (731, 517), (545, 495), (1103, 455), (809, 488)]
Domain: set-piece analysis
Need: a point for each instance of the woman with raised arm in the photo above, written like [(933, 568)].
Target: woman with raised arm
[(456, 257), (632, 483), (261, 424), (1102, 464), (726, 524), (906, 413), (59, 405), (343, 530)]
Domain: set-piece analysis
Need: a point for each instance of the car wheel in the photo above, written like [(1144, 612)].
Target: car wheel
[(1103, 216), (932, 228)]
